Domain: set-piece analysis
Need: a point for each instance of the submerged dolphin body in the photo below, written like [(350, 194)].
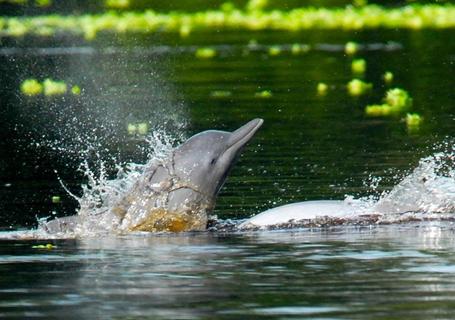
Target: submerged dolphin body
[(300, 212), (427, 192), (329, 212), (174, 195)]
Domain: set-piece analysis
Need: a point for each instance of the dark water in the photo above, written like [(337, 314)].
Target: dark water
[(310, 147), (341, 273)]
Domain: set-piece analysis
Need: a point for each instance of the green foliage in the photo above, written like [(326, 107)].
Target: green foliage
[(76, 90), (322, 88), (43, 3), (274, 50), (149, 21), (31, 87), (47, 246), (398, 98), (388, 77), (49, 87), (378, 110), (256, 5), (413, 120), (396, 101), (36, 3), (205, 53), (264, 94), (141, 128), (117, 4), (357, 87), (298, 48), (351, 48), (52, 88), (359, 66)]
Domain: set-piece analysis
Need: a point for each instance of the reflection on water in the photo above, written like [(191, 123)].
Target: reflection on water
[(339, 273)]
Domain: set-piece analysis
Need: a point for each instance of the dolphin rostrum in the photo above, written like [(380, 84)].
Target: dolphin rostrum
[(172, 195)]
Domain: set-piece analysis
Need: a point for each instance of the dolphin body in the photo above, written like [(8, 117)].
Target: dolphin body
[(173, 195), (416, 193), (307, 212), (333, 211)]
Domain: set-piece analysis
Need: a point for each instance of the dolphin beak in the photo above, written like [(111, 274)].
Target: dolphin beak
[(242, 135)]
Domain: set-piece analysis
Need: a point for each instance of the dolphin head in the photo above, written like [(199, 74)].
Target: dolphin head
[(203, 162), (189, 183), (177, 194)]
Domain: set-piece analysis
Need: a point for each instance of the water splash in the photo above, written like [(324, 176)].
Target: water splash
[(429, 188), (101, 194), (427, 193)]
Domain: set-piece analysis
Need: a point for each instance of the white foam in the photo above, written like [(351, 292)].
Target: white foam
[(427, 193)]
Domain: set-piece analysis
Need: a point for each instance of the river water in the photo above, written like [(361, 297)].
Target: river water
[(310, 147), (382, 272)]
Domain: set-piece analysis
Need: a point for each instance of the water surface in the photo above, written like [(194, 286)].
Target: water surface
[(310, 148), (383, 272)]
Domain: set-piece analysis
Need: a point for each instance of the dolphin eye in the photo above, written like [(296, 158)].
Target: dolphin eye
[(213, 161)]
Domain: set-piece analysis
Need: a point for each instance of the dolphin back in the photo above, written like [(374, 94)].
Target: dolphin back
[(300, 211)]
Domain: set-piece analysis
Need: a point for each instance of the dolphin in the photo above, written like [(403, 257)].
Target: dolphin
[(173, 195), (304, 212), (424, 191)]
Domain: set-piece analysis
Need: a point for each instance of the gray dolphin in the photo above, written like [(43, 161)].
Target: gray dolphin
[(289, 214), (173, 195), (424, 191)]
